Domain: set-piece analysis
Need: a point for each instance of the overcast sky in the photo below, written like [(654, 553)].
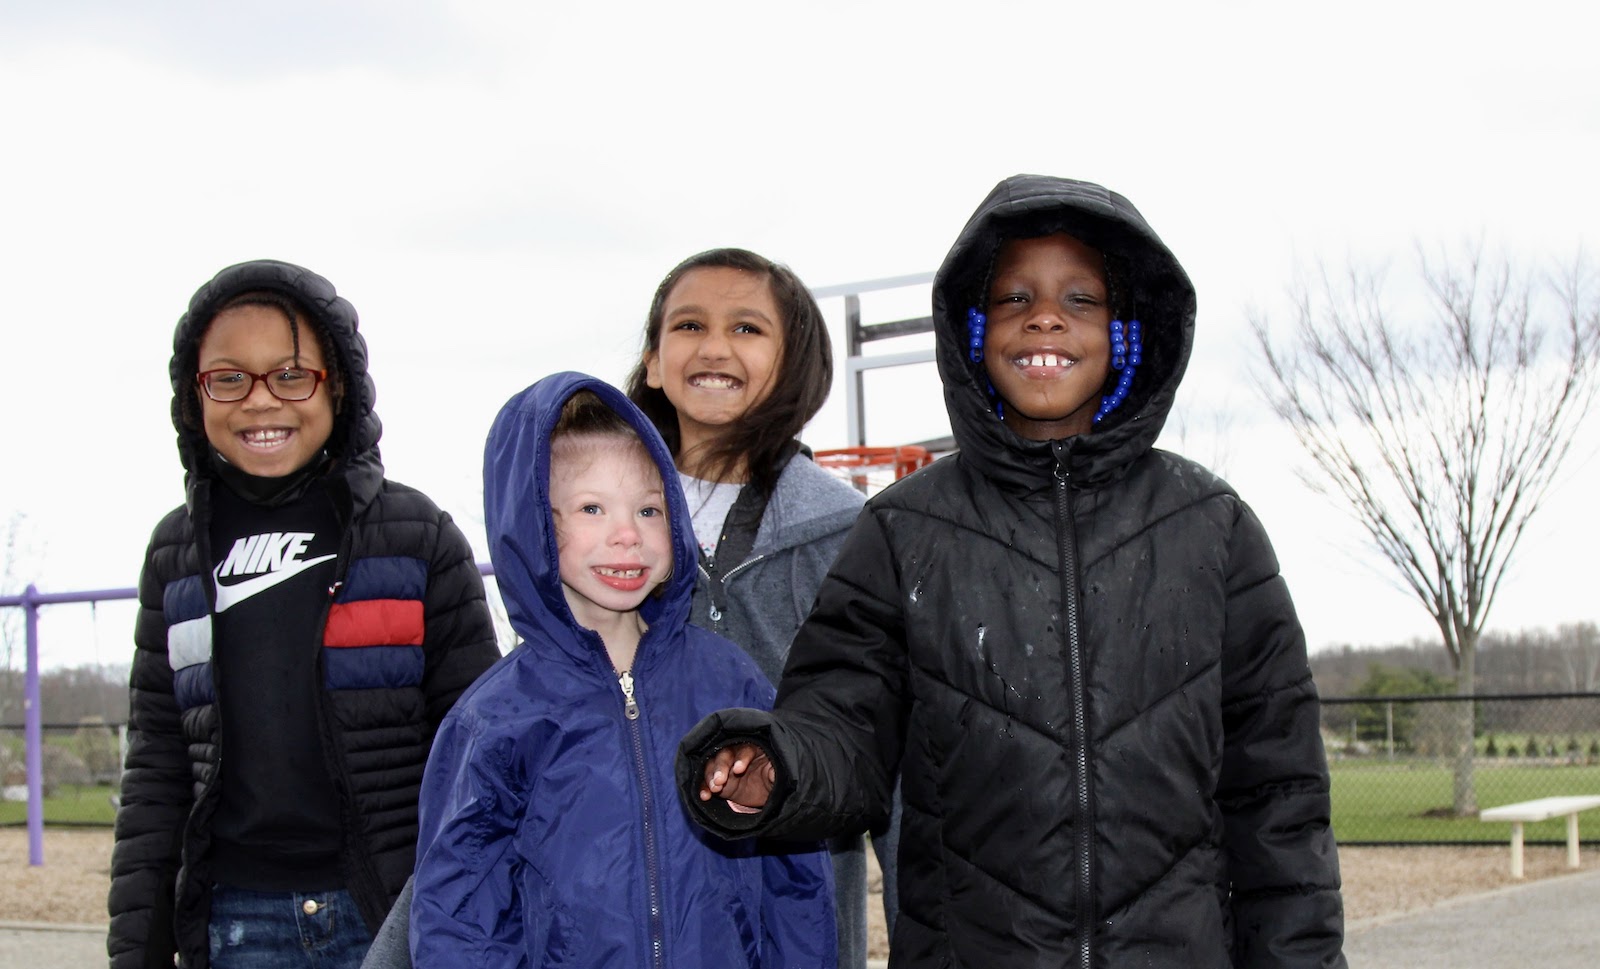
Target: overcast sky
[(498, 187)]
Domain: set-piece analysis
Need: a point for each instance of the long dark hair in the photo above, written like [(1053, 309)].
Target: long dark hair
[(762, 439)]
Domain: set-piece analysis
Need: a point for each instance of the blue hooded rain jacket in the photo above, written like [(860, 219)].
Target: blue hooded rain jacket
[(551, 834)]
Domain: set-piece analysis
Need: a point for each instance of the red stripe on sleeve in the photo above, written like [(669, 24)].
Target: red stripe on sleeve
[(374, 622)]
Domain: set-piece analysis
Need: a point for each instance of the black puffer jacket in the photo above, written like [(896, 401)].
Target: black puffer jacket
[(381, 703), (1081, 658)]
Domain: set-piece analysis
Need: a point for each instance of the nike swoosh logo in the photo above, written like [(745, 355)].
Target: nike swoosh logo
[(232, 595)]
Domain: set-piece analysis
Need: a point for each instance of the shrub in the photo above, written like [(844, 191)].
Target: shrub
[(100, 750)]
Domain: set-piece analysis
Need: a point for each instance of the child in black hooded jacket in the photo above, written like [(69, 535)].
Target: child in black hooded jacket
[(304, 625), (1076, 649)]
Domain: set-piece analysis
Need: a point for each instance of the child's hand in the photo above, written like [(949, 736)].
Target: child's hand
[(742, 775)]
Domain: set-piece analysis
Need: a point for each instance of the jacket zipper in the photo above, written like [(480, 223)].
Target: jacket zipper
[(652, 867), (360, 860), (1067, 551), (202, 539), (715, 584)]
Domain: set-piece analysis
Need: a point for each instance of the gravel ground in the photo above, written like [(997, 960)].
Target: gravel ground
[(1379, 882)]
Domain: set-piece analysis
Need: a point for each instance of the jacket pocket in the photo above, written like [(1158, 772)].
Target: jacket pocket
[(550, 933)]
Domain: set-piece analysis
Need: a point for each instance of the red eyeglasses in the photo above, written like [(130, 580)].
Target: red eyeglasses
[(285, 383)]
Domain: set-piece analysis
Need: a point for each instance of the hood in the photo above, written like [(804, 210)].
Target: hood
[(1155, 288), (353, 444), (522, 537)]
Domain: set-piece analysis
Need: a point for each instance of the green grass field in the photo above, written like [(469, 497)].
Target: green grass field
[(89, 804), (1382, 800), (1373, 800)]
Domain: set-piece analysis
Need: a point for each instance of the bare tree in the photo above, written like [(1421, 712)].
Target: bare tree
[(1205, 433), (1440, 432), (12, 637), (1580, 655)]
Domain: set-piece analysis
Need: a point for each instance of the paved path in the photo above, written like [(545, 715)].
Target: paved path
[(37, 945), (1550, 924)]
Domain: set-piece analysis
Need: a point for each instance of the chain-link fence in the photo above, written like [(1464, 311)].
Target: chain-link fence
[(82, 764), (1417, 769), (1396, 765)]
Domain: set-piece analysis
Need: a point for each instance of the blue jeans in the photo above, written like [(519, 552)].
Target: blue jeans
[(286, 930)]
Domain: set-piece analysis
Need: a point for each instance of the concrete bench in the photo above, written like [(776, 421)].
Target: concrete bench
[(1542, 809)]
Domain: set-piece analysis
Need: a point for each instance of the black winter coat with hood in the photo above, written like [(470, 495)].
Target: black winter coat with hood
[(409, 597), (1081, 659)]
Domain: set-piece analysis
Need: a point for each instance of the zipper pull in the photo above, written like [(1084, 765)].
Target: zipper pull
[(631, 709), (1061, 453)]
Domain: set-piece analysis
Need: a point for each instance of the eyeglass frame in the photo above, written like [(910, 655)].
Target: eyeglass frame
[(319, 377)]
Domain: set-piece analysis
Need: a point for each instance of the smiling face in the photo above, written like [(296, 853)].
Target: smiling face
[(1047, 346), (262, 435), (612, 535), (721, 342)]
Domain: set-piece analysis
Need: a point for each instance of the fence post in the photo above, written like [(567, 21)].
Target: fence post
[(1388, 726), (33, 733)]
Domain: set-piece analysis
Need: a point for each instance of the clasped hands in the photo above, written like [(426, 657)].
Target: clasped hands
[(741, 774)]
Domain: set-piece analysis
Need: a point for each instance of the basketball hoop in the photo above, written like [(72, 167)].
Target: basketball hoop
[(871, 469)]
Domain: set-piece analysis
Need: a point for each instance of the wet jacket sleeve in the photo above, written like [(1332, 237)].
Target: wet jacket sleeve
[(458, 636), (1273, 790), (156, 795), (838, 729), (466, 909)]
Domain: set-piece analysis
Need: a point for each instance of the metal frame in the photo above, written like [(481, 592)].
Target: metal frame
[(858, 335), (33, 727)]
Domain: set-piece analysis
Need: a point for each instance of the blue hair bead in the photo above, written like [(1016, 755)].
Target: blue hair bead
[(1127, 352), (976, 322)]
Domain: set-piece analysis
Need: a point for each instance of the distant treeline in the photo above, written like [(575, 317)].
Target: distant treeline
[(69, 694), (1566, 660)]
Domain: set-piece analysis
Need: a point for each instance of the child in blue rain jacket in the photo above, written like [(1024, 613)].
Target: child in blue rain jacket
[(550, 831)]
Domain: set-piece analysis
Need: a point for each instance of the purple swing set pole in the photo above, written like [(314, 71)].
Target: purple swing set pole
[(33, 722), (33, 734)]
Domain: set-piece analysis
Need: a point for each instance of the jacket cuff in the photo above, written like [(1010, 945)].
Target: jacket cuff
[(727, 728)]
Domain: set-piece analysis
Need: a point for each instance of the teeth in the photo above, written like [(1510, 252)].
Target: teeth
[(266, 438), (714, 382), (1046, 360), (620, 573)]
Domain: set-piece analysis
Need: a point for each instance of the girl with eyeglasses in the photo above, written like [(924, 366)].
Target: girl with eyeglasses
[(304, 626)]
